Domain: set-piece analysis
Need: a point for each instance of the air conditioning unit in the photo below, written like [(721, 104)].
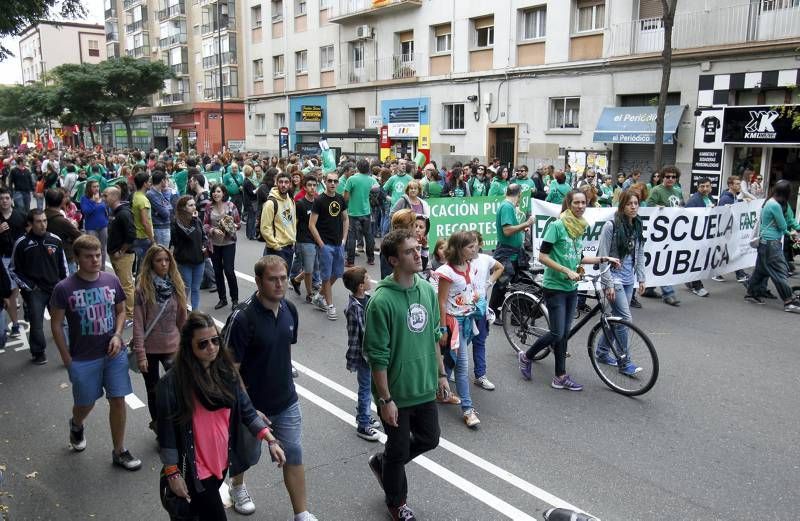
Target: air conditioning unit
[(364, 32)]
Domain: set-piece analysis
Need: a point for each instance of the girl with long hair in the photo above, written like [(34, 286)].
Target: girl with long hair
[(188, 244), (159, 311), (95, 216), (456, 186), (221, 223), (202, 408), (500, 181)]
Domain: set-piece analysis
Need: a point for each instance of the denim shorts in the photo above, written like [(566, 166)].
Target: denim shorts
[(331, 261), (7, 263), (90, 377), (287, 427), (307, 252)]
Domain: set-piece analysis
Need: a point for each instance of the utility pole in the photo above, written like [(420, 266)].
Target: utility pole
[(221, 88)]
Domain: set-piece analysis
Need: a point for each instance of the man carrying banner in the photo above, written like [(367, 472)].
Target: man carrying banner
[(669, 195), (700, 199), (730, 196)]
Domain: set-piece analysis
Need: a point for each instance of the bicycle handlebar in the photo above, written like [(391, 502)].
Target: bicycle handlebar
[(595, 277)]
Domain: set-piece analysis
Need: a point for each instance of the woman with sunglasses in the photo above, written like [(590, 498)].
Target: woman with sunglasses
[(202, 407), (479, 183), (159, 312), (500, 181)]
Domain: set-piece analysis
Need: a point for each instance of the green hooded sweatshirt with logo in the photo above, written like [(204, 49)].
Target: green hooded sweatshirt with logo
[(400, 336)]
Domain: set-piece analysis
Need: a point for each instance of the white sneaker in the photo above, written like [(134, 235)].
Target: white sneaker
[(484, 383), (718, 278), (307, 517), (368, 433), (331, 311), (471, 418), (700, 292), (318, 301), (242, 502)]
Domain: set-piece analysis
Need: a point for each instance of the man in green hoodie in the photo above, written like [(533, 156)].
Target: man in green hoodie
[(400, 344)]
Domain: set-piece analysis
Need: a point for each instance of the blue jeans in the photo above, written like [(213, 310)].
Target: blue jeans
[(162, 236), (479, 347), (287, 427), (360, 227), (39, 203), (667, 291), (36, 301), (561, 310), (286, 253), (462, 363), (621, 308), (377, 217), (770, 264), (250, 229), (140, 247), (363, 413), (22, 201), (305, 260), (385, 220), (192, 275)]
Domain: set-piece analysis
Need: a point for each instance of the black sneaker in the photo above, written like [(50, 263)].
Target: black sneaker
[(295, 374), (39, 359), (650, 293), (126, 460), (376, 466), (76, 438), (14, 331), (402, 513), (295, 285), (753, 299), (635, 303), (221, 304), (770, 295)]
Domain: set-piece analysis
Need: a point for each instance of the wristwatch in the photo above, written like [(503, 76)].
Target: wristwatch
[(382, 401)]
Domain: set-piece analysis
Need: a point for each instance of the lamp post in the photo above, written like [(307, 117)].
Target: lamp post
[(221, 88)]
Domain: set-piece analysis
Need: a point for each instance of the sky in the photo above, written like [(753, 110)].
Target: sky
[(10, 69)]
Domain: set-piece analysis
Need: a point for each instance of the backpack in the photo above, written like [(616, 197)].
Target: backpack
[(250, 312), (375, 199), (260, 237)]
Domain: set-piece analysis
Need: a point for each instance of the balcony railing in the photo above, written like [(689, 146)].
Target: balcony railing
[(173, 39), (180, 69), (403, 66), (722, 26), (127, 4), (110, 13), (228, 58), (112, 36), (212, 27), (228, 91), (139, 52), (400, 66), (174, 97), (172, 11), (347, 10), (136, 26)]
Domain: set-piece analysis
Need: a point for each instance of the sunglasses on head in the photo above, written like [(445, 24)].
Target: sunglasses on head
[(204, 343)]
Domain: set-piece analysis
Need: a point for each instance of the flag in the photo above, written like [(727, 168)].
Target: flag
[(4, 139), (37, 140), (50, 144), (23, 138)]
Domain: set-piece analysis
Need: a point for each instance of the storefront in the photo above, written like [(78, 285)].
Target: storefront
[(408, 126), (308, 117)]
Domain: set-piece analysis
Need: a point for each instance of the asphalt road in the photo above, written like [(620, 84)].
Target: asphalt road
[(715, 439)]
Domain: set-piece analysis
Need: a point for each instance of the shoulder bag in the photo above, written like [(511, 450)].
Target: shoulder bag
[(133, 363)]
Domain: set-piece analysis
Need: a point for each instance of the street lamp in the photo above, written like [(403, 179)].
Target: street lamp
[(220, 13)]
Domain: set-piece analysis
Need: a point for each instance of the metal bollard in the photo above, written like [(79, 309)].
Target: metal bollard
[(563, 514)]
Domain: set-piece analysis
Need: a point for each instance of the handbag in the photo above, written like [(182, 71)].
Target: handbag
[(756, 237), (177, 507), (133, 363)]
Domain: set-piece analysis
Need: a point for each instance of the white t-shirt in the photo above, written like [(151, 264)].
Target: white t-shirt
[(462, 296), (482, 267)]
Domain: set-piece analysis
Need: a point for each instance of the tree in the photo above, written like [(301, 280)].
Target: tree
[(16, 15), (80, 87), (127, 85), (668, 6)]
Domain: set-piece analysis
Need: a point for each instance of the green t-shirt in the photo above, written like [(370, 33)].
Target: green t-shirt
[(101, 181), (340, 187), (434, 189), (233, 183), (181, 178), (477, 188), (606, 195), (558, 191), (527, 186), (566, 252), (212, 178), (140, 201), (507, 215), (498, 187), (663, 196), (395, 186), (359, 186)]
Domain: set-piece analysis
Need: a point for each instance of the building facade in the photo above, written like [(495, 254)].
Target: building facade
[(572, 83), (198, 40), (45, 46)]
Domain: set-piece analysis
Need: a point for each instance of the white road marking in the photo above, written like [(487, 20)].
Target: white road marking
[(225, 494), (133, 401), (508, 477), (451, 477)]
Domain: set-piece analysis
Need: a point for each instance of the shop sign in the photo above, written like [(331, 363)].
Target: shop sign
[(761, 124), (404, 130), (424, 137), (385, 141), (236, 145), (283, 139), (713, 177), (311, 113), (159, 118), (707, 160), (374, 122)]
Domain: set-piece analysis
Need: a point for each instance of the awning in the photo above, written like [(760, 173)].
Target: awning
[(636, 125)]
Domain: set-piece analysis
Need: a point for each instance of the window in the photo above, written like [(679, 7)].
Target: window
[(407, 51), (301, 62), (94, 48), (358, 117), (484, 32), (277, 10), (255, 17), (591, 16), (258, 69), (279, 118), (564, 112), (770, 5), (324, 4), (326, 57), (453, 116), (357, 54), (443, 38), (277, 66), (299, 7), (534, 22), (261, 122)]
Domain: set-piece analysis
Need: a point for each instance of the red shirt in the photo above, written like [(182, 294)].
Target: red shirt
[(211, 434)]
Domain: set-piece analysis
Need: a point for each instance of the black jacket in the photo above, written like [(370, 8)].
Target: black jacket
[(38, 262), (188, 246), (62, 228), (16, 229), (121, 230)]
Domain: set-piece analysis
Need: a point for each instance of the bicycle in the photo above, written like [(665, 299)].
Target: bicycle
[(525, 319)]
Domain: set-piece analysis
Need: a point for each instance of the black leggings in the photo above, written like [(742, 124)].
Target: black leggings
[(207, 505), (223, 258), (151, 378)]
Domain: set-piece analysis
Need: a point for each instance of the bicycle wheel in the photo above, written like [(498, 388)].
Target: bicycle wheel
[(524, 321), (640, 351)]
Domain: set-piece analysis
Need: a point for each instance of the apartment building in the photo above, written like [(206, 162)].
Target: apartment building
[(198, 40), (566, 82), (45, 46)]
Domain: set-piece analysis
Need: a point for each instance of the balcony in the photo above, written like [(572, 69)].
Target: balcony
[(127, 4), (112, 50), (174, 97), (228, 91), (180, 69), (739, 24), (212, 27), (349, 11), (136, 26), (403, 66), (112, 36), (172, 11), (228, 58), (398, 67), (110, 13), (143, 51), (173, 39)]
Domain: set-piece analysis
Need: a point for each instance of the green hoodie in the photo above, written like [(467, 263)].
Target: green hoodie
[(400, 336)]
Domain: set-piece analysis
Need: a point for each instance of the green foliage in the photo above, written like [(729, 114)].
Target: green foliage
[(16, 15)]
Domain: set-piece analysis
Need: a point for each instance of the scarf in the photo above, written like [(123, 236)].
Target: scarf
[(164, 288), (627, 234), (575, 226), (185, 217)]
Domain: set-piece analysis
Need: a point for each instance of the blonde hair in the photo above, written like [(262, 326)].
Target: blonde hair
[(414, 184), (144, 284), (403, 219)]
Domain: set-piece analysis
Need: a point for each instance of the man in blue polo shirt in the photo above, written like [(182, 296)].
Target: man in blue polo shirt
[(260, 337)]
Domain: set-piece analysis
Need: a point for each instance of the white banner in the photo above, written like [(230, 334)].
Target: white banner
[(4, 139), (682, 244)]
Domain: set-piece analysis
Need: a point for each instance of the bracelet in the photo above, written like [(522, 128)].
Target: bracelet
[(271, 443), (170, 469), (176, 475), (442, 375)]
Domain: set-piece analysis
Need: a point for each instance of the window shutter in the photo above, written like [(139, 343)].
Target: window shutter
[(650, 9)]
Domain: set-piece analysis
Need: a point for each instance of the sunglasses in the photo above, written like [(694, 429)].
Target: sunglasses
[(670, 177), (204, 343), (334, 181)]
